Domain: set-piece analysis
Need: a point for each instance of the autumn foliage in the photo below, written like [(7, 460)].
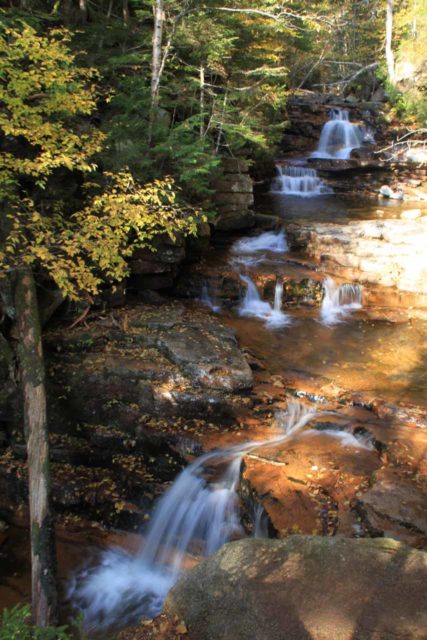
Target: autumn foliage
[(45, 99)]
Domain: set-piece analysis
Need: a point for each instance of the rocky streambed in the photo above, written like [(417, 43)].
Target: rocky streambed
[(139, 392)]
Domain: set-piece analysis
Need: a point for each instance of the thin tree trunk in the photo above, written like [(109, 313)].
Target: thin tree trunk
[(125, 11), (156, 64), (202, 101), (218, 139), (83, 11), (32, 373), (388, 40)]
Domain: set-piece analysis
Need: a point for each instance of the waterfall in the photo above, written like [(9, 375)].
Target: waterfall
[(338, 137), (268, 241), (253, 306), (298, 181), (208, 301), (278, 296), (339, 301), (198, 514)]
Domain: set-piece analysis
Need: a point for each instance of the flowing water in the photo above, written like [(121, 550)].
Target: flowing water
[(195, 517), (339, 137), (298, 181), (268, 241), (333, 345), (339, 301), (253, 306), (208, 300)]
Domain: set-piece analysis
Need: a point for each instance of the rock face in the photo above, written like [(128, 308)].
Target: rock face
[(389, 253), (128, 396), (305, 588), (234, 197), (308, 112), (157, 269)]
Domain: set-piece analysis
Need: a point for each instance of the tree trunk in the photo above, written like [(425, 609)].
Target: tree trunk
[(83, 11), (202, 101), (125, 11), (32, 373), (388, 40), (156, 64)]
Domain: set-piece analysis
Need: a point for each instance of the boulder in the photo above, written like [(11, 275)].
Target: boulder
[(305, 588)]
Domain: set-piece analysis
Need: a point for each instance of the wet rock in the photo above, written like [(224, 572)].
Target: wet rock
[(389, 254), (392, 501), (308, 485), (305, 587), (386, 192)]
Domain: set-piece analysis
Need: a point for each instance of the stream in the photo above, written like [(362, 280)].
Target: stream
[(320, 370), (337, 344)]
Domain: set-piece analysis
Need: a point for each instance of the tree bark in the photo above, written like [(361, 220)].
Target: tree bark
[(156, 64), (32, 374), (388, 40), (202, 101), (125, 11), (83, 11)]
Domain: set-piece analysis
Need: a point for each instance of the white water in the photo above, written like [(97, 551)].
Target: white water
[(299, 181), (339, 301), (268, 241), (339, 137), (194, 516), (346, 438), (253, 306), (208, 301)]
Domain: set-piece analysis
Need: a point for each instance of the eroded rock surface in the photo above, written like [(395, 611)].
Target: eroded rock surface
[(305, 588), (389, 253)]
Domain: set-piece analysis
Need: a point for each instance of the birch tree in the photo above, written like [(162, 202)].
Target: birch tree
[(389, 40)]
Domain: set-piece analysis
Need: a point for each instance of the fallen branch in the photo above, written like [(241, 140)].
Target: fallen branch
[(403, 140), (349, 79), (80, 317)]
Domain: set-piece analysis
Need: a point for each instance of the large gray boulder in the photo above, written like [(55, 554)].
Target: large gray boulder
[(306, 588)]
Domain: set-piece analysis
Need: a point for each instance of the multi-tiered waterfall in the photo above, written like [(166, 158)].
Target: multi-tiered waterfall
[(293, 180), (339, 137)]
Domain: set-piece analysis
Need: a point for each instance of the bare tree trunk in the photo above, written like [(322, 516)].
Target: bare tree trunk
[(388, 39), (83, 11), (156, 64), (125, 11), (202, 101), (30, 354), (221, 124)]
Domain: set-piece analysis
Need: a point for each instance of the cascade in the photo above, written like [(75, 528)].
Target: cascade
[(208, 301), (253, 306), (339, 301), (339, 137), (278, 296), (194, 516), (268, 241), (298, 181)]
